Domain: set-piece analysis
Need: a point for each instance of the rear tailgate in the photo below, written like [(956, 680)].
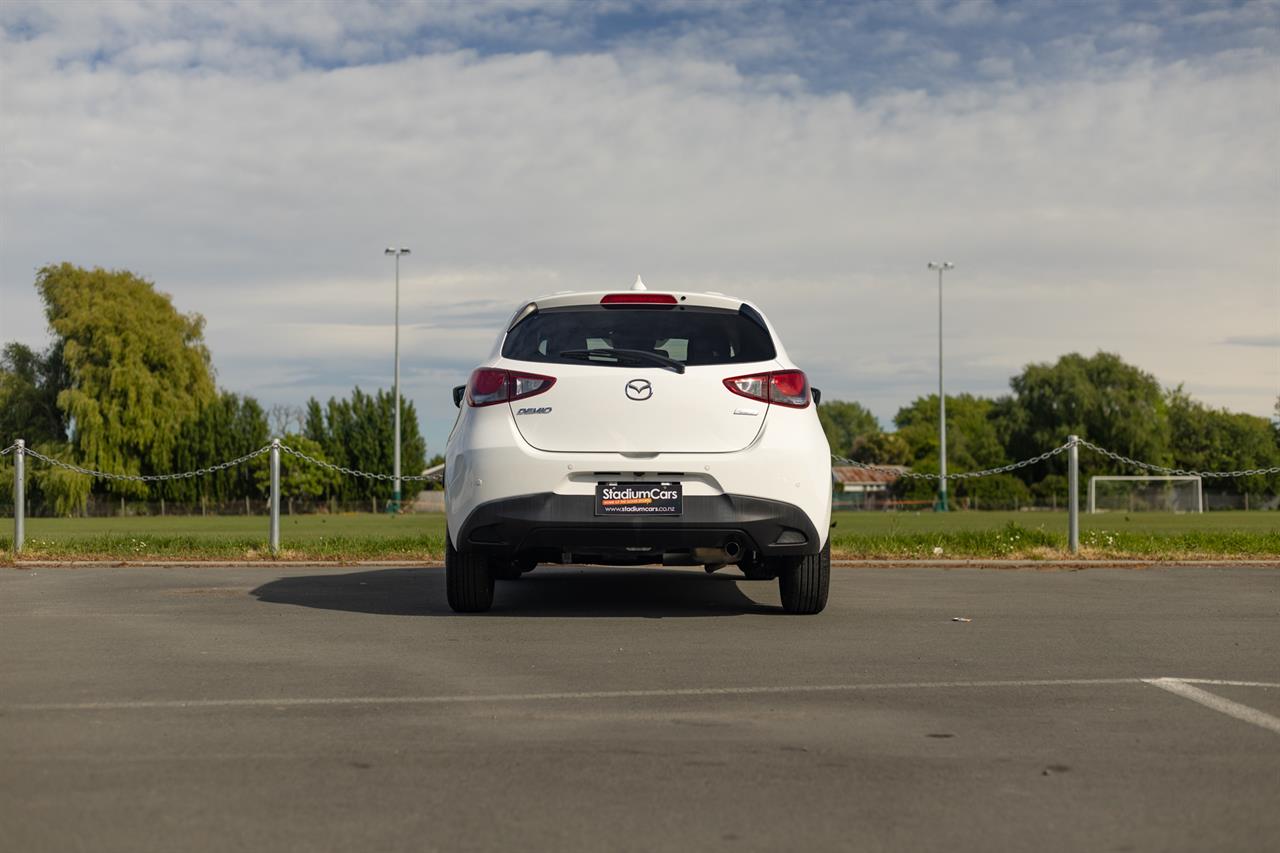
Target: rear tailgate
[(594, 408)]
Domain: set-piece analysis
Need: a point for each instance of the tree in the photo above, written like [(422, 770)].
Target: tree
[(314, 426), (359, 433), (1205, 439), (973, 444), (227, 427), (284, 419), (1099, 398), (139, 370), (883, 448), (30, 383), (844, 423), (1053, 490), (63, 492), (973, 441), (995, 491), (298, 477), (1275, 424)]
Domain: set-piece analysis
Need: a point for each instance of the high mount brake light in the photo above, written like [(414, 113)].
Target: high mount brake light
[(489, 386), (638, 299), (781, 387)]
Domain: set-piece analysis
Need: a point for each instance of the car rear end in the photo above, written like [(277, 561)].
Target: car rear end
[(637, 428)]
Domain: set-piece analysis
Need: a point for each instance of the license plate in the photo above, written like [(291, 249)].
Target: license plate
[(639, 499)]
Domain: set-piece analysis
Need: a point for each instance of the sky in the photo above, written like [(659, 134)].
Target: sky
[(1104, 176)]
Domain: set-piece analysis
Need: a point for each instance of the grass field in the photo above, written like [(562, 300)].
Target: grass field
[(908, 535)]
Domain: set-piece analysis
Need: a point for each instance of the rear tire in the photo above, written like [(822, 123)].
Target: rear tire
[(468, 580), (805, 581)]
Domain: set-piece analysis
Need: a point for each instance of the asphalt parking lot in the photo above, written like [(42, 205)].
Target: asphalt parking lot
[(347, 709)]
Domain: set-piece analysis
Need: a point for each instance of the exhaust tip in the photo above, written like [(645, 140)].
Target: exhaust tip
[(732, 548)]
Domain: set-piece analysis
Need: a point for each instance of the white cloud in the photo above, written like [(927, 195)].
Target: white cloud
[(1132, 209)]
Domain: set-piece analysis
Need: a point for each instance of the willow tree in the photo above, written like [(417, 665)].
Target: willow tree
[(138, 369)]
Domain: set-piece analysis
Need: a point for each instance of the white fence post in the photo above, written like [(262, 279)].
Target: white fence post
[(19, 497), (275, 496), (1073, 494)]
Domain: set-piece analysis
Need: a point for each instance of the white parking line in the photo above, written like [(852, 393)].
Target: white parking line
[(1181, 686), (1225, 683), (286, 702), (1184, 688)]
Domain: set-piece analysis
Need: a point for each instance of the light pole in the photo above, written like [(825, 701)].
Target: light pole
[(395, 492), (942, 399)]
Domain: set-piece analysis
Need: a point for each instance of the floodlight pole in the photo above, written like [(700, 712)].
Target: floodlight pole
[(942, 399), (395, 493)]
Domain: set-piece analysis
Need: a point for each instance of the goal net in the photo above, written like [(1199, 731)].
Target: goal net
[(1145, 494)]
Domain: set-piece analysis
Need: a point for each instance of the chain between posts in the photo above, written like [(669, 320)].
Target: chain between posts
[(144, 478), (266, 448), (1116, 457), (1175, 472), (910, 475), (352, 472), (964, 475)]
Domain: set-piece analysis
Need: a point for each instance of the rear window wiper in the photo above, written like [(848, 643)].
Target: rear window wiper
[(632, 356)]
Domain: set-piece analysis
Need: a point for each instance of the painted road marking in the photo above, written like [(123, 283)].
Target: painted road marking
[(550, 697), (1225, 683), (296, 701), (1182, 687)]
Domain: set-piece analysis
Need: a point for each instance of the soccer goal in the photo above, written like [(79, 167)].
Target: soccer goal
[(1146, 494)]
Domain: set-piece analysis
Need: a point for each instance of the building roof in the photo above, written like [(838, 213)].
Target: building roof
[(853, 474)]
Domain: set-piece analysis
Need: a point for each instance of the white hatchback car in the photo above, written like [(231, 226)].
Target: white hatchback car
[(638, 428)]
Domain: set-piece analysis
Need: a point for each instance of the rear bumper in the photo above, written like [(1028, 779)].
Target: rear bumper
[(549, 526)]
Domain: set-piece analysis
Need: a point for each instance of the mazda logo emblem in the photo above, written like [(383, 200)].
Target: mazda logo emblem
[(639, 389)]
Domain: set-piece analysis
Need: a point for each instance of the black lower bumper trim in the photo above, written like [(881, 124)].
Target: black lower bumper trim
[(550, 524)]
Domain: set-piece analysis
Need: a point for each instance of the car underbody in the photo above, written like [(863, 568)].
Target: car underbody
[(720, 529)]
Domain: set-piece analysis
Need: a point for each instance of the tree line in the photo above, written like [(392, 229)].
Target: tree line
[(1099, 398), (127, 387)]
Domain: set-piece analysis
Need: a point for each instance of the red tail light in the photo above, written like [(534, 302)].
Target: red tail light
[(638, 299), (489, 386), (789, 388), (782, 387)]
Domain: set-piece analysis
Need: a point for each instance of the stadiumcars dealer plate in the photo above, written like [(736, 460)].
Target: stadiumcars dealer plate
[(638, 499)]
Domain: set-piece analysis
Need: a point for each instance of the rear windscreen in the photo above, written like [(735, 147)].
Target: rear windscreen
[(687, 334)]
